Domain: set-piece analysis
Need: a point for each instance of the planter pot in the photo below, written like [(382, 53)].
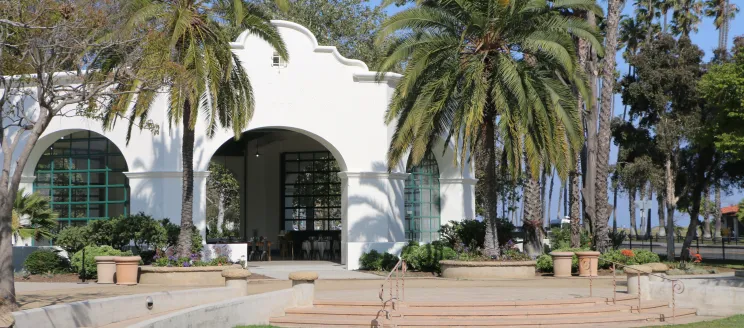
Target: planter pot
[(106, 267), (588, 263), (562, 263), (126, 269), (487, 269), (189, 276)]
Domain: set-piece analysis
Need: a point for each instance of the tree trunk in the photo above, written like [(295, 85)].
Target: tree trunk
[(671, 204), (588, 192), (560, 204), (705, 205), (717, 212), (491, 244), (699, 181), (187, 189), (648, 215), (614, 207), (575, 209), (632, 208), (220, 213), (642, 197), (550, 200), (7, 285), (601, 242), (533, 217), (660, 213)]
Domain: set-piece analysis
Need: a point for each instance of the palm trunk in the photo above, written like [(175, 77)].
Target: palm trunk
[(550, 200), (717, 212), (648, 215), (532, 215), (705, 205), (671, 204), (491, 244), (187, 189), (601, 241), (642, 196), (632, 209), (575, 209), (560, 203), (660, 213)]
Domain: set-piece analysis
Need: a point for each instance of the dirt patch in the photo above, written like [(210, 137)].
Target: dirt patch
[(62, 277), (414, 274)]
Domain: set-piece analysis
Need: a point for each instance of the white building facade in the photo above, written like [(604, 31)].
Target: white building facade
[(312, 162)]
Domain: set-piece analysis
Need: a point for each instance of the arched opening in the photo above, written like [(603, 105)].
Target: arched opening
[(422, 200), (82, 173), (277, 184)]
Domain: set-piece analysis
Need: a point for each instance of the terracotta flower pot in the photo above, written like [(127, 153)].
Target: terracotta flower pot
[(126, 269), (106, 267), (588, 263), (562, 263)]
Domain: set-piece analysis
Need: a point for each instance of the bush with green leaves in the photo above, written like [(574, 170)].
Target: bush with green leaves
[(373, 260), (560, 238), (627, 257), (91, 270), (473, 233), (45, 261), (73, 238), (426, 257)]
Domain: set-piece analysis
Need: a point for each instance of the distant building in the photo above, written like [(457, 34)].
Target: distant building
[(730, 221)]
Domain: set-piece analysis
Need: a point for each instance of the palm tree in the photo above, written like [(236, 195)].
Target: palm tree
[(722, 11), (664, 6), (602, 208), (472, 67), (36, 211), (187, 49), (686, 17)]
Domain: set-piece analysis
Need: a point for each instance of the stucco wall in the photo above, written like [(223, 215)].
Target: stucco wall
[(333, 100)]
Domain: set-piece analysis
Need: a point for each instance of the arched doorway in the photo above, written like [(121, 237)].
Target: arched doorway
[(274, 183), (82, 173), (422, 200)]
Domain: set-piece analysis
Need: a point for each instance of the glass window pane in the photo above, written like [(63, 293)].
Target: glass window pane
[(98, 146), (117, 163), (97, 162), (116, 178)]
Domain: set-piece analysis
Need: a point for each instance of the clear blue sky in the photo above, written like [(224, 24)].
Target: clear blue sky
[(707, 39)]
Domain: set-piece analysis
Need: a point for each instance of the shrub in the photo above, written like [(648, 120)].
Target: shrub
[(545, 261), (560, 238), (73, 239), (91, 252), (45, 261), (473, 233), (373, 260), (627, 257), (426, 257)]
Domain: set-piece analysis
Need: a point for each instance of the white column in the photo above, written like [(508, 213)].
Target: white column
[(373, 214), (457, 199), (27, 183)]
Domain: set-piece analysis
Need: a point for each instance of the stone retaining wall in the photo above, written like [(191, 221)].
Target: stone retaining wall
[(713, 297), (179, 276), (487, 269)]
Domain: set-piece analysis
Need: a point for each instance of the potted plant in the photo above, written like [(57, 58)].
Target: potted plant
[(106, 267), (588, 263), (562, 263), (127, 268)]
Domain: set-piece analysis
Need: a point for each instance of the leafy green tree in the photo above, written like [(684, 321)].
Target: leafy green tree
[(33, 217), (223, 200), (350, 25), (472, 67), (187, 44)]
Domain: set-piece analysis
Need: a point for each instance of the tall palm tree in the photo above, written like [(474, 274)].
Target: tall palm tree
[(187, 49), (40, 219), (603, 209), (686, 17), (664, 6), (722, 12), (472, 67)]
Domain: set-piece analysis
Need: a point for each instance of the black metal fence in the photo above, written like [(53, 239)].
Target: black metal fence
[(723, 249)]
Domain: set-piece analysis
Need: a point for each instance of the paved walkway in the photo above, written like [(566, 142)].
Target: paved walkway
[(325, 269)]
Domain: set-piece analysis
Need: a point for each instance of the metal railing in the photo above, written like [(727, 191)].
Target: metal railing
[(398, 274), (678, 287)]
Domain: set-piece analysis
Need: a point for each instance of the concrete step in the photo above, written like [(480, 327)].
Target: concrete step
[(582, 301), (450, 312), (579, 320)]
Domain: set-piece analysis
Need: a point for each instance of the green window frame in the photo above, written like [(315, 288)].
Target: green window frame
[(311, 191), (82, 174), (422, 200)]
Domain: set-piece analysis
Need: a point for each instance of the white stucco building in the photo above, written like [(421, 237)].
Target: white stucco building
[(311, 163)]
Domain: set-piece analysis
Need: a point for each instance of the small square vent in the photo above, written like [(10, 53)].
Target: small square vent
[(277, 61)]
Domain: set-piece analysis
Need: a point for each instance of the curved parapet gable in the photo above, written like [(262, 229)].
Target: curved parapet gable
[(364, 76)]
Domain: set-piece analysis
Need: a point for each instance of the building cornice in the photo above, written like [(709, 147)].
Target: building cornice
[(28, 178), (374, 175)]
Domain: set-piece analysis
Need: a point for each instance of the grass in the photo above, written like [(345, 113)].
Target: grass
[(730, 322)]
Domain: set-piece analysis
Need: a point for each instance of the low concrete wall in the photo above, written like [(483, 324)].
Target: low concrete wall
[(713, 297), (103, 311), (487, 269), (247, 310), (178, 276)]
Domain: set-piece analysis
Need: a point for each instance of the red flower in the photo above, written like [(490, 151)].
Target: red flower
[(627, 252)]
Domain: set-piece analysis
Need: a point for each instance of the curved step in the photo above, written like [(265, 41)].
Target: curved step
[(580, 301)]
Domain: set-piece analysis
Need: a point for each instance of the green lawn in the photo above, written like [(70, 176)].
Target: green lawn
[(730, 322)]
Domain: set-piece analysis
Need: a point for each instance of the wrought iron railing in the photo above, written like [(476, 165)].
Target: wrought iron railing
[(678, 287), (397, 274)]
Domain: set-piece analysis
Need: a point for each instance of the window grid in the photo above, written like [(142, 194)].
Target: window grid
[(66, 173), (422, 201), (311, 191)]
